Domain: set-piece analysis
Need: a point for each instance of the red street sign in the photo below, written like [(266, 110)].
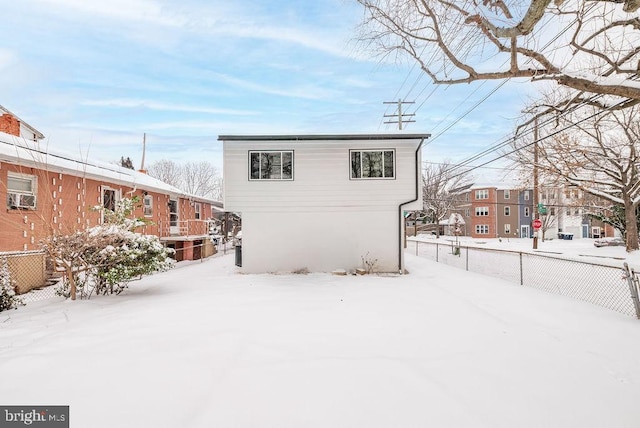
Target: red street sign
[(537, 224)]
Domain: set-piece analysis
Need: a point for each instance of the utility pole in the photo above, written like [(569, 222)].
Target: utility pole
[(399, 115), (536, 216), (144, 151)]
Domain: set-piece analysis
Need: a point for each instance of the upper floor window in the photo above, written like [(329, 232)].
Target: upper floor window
[(507, 211), (482, 194), (372, 163), (526, 195), (507, 194), (21, 191), (526, 211), (482, 211), (147, 205), (197, 207), (271, 165)]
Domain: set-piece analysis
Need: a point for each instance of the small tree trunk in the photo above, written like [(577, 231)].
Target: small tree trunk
[(72, 283), (631, 224)]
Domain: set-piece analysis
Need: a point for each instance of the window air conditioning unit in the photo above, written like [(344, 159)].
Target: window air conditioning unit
[(21, 200)]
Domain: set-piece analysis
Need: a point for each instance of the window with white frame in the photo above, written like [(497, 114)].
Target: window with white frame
[(482, 211), (197, 207), (467, 212), (482, 229), (526, 211), (372, 164), (507, 229), (271, 165), (526, 195), (507, 194), (507, 211), (21, 191), (147, 205), (552, 211), (482, 194)]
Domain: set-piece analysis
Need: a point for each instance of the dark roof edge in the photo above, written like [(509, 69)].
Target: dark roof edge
[(319, 137)]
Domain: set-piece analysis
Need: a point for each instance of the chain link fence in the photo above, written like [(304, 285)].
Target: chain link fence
[(611, 287)]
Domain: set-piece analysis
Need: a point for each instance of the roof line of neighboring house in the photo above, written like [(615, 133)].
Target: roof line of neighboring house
[(323, 137), (22, 152), (39, 135)]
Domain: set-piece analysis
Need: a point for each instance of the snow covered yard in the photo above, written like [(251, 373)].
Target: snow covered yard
[(203, 346)]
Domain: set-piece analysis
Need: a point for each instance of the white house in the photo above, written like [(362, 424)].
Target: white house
[(322, 202)]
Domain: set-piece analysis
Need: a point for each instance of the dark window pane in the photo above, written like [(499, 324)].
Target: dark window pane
[(355, 165), (275, 165), (388, 164), (287, 165), (265, 165), (255, 166), (374, 160)]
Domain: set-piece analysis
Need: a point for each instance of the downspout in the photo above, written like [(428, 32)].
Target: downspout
[(401, 216)]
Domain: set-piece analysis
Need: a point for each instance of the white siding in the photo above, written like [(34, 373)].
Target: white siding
[(320, 242), (321, 172), (321, 220)]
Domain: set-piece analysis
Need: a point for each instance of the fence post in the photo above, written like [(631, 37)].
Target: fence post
[(417, 242), (437, 252), (630, 277), (467, 259), (521, 273)]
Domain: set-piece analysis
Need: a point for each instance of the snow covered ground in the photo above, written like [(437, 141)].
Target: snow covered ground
[(204, 346), (578, 249)]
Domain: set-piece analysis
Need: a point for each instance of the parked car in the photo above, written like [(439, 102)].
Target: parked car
[(609, 242)]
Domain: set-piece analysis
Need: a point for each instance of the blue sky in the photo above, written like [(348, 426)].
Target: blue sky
[(94, 76)]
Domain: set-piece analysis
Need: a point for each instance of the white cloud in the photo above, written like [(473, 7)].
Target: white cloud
[(306, 92), (122, 10), (152, 105)]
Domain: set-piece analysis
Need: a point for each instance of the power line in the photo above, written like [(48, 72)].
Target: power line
[(541, 139)]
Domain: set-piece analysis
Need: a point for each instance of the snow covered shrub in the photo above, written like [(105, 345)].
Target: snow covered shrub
[(105, 258), (8, 298), (123, 255)]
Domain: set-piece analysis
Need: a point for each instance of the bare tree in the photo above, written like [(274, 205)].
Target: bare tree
[(167, 171), (197, 178), (598, 154), (202, 179), (591, 47), (441, 186)]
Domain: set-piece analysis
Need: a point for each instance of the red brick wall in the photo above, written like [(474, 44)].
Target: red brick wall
[(9, 125), (64, 204), (490, 220)]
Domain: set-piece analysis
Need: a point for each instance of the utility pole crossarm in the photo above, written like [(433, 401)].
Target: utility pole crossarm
[(399, 115)]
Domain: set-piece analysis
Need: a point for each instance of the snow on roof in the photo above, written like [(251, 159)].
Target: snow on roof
[(22, 152)]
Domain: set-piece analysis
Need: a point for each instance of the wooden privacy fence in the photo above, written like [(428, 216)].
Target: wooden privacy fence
[(28, 269)]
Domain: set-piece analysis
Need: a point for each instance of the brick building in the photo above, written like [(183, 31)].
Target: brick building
[(48, 193)]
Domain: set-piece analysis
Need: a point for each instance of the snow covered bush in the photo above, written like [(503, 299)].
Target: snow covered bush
[(104, 258), (8, 298)]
